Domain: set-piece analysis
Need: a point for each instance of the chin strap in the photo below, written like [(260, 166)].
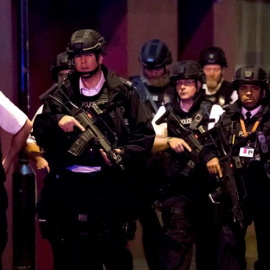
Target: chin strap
[(89, 74)]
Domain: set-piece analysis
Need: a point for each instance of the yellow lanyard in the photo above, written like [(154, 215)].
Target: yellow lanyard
[(243, 126)]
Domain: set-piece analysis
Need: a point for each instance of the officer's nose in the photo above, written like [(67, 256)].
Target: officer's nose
[(154, 73), (83, 57)]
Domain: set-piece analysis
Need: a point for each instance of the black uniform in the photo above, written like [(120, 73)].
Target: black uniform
[(86, 213), (186, 203), (153, 175), (174, 196), (222, 96), (254, 194)]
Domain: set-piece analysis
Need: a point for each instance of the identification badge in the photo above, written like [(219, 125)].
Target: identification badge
[(246, 152)]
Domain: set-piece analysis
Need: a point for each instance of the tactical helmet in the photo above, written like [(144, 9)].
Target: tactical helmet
[(187, 70), (61, 62), (86, 41), (155, 54), (213, 56), (250, 75)]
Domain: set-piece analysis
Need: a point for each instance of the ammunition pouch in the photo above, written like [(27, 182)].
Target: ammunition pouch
[(188, 168), (183, 167)]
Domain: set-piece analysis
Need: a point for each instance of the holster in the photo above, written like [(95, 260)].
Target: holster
[(158, 207), (129, 228)]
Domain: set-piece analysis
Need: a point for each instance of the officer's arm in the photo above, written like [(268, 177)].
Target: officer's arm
[(17, 142), (35, 154)]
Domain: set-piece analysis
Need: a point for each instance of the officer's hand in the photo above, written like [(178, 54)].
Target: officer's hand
[(214, 167), (42, 164), (179, 145), (105, 157), (67, 123)]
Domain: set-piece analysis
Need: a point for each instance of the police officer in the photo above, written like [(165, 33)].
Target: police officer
[(84, 201), (153, 85), (61, 66), (188, 120), (244, 131), (59, 70), (218, 90), (155, 89)]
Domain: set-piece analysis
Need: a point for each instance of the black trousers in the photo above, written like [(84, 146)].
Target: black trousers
[(82, 215), (231, 244), (168, 247), (178, 243), (152, 236)]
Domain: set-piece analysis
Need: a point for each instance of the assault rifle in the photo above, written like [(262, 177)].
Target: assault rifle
[(227, 184), (188, 136), (88, 121)]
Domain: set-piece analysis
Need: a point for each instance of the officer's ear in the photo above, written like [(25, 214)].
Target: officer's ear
[(199, 85), (222, 72), (100, 59), (263, 93)]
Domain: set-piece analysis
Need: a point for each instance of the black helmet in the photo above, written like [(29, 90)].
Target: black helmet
[(86, 41), (61, 62), (155, 54), (213, 56), (187, 70), (250, 75)]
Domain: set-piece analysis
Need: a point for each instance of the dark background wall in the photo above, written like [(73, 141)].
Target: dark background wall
[(195, 27), (51, 23)]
